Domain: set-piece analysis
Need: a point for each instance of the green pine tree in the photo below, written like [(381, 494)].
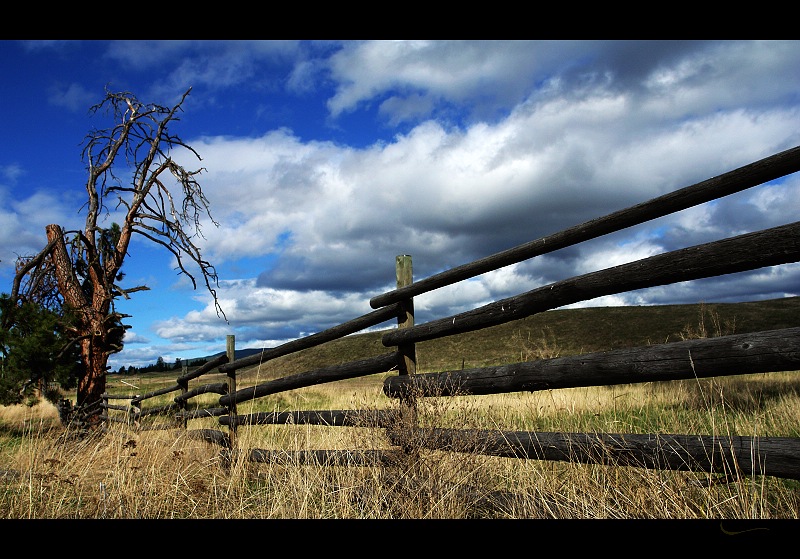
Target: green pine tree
[(34, 352)]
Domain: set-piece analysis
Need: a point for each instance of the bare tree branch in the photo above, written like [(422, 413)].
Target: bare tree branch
[(24, 270)]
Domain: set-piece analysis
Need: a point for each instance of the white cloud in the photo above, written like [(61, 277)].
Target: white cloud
[(11, 172), (452, 71), (608, 256), (22, 232), (74, 97)]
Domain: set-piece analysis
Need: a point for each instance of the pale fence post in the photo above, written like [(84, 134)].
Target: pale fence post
[(108, 414)]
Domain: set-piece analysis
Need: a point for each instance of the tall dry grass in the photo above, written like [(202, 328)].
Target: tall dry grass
[(47, 472)]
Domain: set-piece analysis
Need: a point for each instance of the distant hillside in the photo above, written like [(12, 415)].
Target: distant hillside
[(556, 333), (240, 353)]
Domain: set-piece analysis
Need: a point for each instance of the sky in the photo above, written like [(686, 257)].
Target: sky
[(324, 160)]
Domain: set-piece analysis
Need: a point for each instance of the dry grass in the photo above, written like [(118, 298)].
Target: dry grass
[(167, 474), (46, 472)]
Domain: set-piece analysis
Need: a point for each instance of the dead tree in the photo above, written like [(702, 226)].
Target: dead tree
[(163, 202)]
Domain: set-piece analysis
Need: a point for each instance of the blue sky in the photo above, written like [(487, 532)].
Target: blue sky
[(326, 159)]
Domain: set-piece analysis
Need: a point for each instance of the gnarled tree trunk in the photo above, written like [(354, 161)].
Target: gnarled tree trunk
[(90, 304)]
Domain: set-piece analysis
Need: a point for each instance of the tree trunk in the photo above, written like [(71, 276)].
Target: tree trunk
[(92, 384), (91, 308)]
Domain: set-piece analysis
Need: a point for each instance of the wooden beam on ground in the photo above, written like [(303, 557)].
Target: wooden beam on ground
[(339, 418), (326, 457), (728, 455)]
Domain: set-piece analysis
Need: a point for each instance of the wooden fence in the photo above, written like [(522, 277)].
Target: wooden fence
[(758, 352)]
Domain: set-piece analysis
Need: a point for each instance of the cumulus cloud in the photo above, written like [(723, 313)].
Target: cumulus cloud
[(497, 73), (22, 232), (450, 197)]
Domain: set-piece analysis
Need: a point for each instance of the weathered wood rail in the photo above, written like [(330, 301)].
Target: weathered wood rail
[(757, 352)]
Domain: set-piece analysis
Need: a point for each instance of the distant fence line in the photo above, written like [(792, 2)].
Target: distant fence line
[(758, 352)]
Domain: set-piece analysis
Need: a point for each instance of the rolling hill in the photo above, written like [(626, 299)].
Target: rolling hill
[(557, 332)]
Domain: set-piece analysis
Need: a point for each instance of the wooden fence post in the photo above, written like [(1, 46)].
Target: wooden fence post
[(134, 412), (184, 389), (108, 415), (184, 384), (408, 351), (404, 272), (231, 351)]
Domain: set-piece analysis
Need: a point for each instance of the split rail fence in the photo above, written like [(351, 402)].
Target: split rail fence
[(758, 352)]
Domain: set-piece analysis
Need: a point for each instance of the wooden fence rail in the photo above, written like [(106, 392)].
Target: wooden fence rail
[(741, 354), (780, 245), (758, 352)]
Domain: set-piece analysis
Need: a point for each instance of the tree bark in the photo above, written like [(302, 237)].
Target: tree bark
[(90, 316)]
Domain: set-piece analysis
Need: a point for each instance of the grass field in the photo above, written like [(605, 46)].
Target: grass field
[(45, 473)]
